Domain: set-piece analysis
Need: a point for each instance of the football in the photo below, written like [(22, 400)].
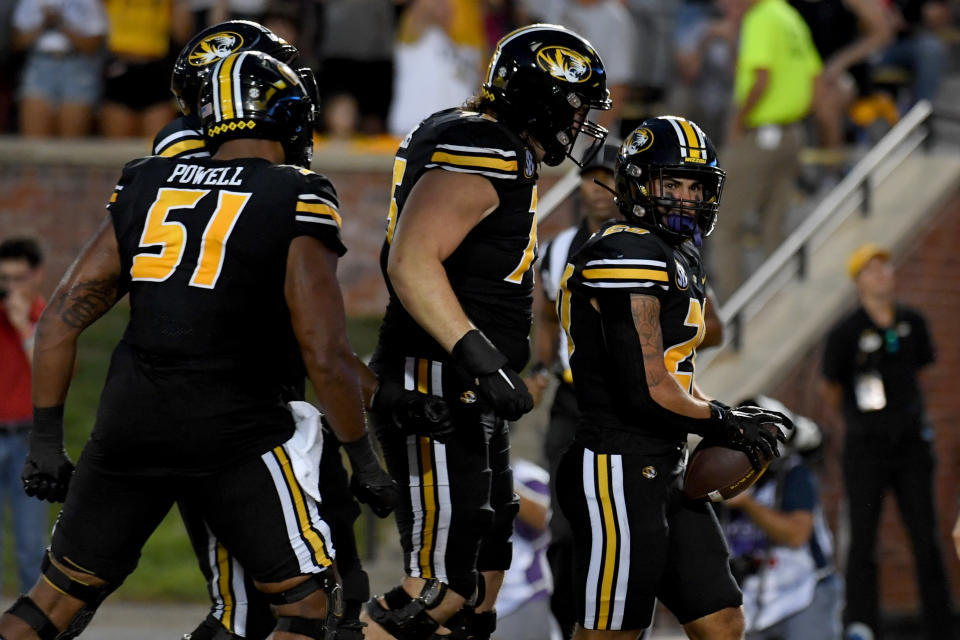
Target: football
[(716, 472)]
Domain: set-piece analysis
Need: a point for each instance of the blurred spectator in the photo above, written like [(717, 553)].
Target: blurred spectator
[(137, 99), (596, 207), (653, 57), (773, 89), (847, 33), (918, 47), (705, 49), (356, 78), (61, 77), (781, 549), (523, 605), (21, 275), (437, 59), (870, 366), (609, 27)]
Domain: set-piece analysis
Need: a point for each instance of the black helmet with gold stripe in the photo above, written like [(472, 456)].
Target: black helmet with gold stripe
[(215, 43), (252, 95), (543, 79), (660, 162)]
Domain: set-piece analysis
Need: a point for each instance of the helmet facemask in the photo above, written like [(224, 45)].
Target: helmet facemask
[(678, 219)]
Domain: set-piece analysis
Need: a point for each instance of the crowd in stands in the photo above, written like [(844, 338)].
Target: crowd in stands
[(82, 67)]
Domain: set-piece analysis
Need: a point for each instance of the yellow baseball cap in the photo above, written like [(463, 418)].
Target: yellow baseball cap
[(864, 254)]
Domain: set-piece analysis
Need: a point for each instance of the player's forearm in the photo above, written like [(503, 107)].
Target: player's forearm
[(547, 336), (339, 390), (424, 289), (54, 354), (673, 398)]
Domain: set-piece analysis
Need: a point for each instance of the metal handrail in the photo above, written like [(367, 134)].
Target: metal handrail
[(859, 183)]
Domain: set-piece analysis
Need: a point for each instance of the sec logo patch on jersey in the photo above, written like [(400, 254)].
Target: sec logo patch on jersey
[(682, 281)]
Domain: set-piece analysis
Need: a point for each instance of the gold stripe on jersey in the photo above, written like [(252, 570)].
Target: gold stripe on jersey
[(658, 275), (225, 80), (472, 161), (428, 487), (224, 581), (321, 210), (113, 198), (183, 146), (311, 537), (563, 312), (611, 542)]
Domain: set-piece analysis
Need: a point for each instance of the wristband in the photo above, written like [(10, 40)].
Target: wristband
[(47, 431), (360, 452), (477, 355)]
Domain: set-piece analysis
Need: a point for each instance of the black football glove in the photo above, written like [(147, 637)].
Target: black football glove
[(370, 484), (413, 412), (497, 383), (742, 428), (47, 471)]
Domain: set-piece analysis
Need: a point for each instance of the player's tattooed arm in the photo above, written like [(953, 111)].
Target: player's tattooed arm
[(91, 286), (646, 319), (664, 389)]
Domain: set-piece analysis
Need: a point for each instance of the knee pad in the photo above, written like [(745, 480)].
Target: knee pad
[(306, 626), (496, 550), (91, 596), (407, 618)]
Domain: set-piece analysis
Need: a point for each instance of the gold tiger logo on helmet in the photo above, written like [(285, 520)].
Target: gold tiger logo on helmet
[(564, 64), (215, 47)]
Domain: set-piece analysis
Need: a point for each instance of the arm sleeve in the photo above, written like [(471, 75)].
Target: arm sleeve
[(799, 490), (757, 41), (316, 212)]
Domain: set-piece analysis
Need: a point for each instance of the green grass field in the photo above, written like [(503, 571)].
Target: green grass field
[(167, 570)]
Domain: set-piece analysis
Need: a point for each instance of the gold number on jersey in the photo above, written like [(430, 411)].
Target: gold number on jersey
[(172, 236), (215, 236), (517, 276), (399, 168), (684, 351)]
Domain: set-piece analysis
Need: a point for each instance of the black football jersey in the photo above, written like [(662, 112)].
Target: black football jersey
[(182, 138), (490, 271), (203, 246), (622, 259)]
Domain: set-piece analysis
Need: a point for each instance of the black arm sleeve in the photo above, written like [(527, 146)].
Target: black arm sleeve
[(624, 353)]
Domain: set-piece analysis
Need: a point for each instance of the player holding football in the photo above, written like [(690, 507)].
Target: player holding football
[(632, 305)]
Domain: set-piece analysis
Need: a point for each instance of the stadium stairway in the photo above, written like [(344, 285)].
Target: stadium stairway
[(777, 315)]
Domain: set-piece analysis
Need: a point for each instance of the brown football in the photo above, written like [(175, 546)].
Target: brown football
[(716, 472)]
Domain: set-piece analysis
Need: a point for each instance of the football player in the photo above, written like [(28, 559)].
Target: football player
[(183, 137), (230, 264), (238, 609), (631, 303), (460, 243)]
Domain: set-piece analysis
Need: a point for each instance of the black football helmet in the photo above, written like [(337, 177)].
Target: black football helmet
[(544, 79), (215, 43), (252, 95), (669, 146)]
